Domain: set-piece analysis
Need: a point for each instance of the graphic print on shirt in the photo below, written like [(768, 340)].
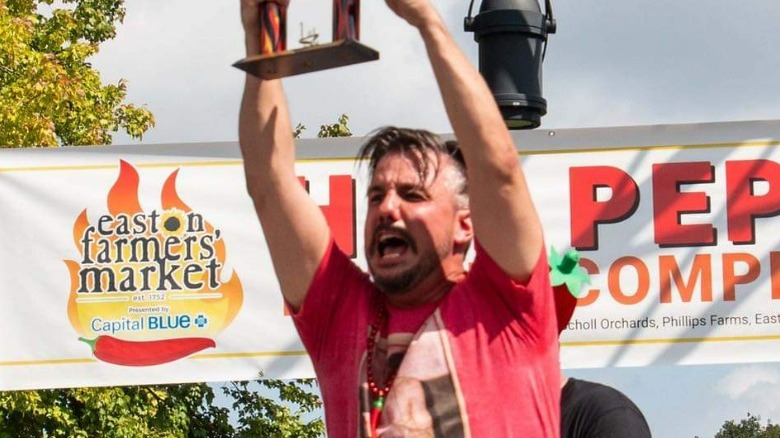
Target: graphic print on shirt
[(425, 400)]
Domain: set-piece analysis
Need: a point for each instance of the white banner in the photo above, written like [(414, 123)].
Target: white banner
[(146, 264)]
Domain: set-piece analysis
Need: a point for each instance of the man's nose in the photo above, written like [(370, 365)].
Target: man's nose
[(389, 207)]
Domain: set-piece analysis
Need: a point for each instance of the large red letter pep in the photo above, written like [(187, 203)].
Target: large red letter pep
[(587, 211), (669, 204), (744, 205)]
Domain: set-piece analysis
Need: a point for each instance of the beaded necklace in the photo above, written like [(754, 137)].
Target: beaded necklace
[(377, 395)]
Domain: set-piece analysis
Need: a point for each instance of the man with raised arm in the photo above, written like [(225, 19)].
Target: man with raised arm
[(420, 347)]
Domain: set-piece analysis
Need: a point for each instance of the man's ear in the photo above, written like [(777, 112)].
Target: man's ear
[(464, 229)]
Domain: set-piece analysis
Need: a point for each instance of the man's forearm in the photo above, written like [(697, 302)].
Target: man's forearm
[(295, 229), (505, 221), (470, 106), (265, 135), (265, 132)]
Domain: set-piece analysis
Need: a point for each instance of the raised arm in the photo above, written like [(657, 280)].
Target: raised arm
[(505, 221), (294, 227)]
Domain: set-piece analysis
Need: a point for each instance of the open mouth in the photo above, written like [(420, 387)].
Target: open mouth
[(392, 243), (392, 246)]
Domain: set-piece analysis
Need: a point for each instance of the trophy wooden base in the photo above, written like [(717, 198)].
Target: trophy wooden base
[(308, 59)]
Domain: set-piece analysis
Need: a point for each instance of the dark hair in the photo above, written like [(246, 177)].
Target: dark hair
[(414, 145)]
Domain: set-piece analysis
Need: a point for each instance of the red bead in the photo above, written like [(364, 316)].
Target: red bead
[(370, 344)]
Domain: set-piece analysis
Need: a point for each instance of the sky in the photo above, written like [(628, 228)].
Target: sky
[(612, 63)]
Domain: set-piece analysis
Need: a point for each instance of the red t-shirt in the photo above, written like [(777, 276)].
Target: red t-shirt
[(482, 362)]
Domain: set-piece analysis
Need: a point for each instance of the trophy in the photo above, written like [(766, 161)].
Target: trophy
[(275, 61)]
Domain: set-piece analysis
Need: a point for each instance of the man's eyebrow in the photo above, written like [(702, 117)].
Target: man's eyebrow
[(374, 189), (398, 185)]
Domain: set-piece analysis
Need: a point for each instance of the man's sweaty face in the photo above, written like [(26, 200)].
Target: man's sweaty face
[(409, 225)]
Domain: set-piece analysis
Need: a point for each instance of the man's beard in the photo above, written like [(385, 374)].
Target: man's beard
[(401, 282)]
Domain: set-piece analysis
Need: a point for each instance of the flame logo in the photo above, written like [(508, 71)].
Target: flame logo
[(149, 275)]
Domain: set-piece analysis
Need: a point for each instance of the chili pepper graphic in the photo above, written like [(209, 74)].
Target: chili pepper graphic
[(144, 353)]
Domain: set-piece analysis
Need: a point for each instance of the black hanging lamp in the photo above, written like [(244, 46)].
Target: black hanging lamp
[(512, 39)]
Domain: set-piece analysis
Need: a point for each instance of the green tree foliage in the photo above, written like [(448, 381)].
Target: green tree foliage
[(749, 427), (289, 409), (149, 411), (260, 416), (49, 93), (338, 129)]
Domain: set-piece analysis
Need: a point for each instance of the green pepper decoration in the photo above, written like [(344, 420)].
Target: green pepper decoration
[(566, 270)]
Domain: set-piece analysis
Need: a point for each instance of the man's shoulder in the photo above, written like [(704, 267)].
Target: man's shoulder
[(337, 277), (485, 267), (336, 262)]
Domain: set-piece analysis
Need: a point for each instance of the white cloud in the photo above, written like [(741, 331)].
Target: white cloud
[(746, 379), (754, 388)]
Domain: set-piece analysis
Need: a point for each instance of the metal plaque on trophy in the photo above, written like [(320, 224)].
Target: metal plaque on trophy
[(275, 61)]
